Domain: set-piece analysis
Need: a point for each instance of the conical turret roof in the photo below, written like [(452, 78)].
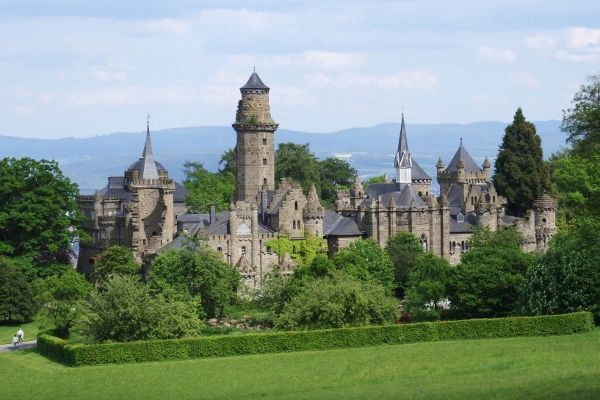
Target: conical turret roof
[(254, 82), (463, 155), (149, 170)]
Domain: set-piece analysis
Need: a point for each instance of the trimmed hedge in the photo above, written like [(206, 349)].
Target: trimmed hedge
[(222, 346)]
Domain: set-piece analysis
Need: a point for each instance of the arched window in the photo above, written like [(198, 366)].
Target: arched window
[(220, 249), (265, 181), (294, 224), (462, 247), (243, 250), (295, 205)]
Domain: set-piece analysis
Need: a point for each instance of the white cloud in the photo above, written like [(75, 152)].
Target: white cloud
[(581, 37), (575, 57), (111, 72), (491, 54), (406, 80), (539, 41), (167, 25)]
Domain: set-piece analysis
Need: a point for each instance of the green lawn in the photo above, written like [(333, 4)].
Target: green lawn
[(7, 332), (560, 367)]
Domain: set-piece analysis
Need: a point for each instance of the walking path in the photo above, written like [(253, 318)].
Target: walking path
[(25, 345)]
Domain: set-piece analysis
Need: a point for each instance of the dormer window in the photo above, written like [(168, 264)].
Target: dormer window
[(460, 217)]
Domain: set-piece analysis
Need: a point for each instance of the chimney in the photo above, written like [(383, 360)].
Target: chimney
[(213, 214)]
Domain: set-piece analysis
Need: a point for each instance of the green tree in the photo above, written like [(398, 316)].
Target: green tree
[(207, 188), (487, 282), (38, 210), (61, 297), (196, 271), (227, 163), (125, 310), (302, 251), (374, 179), (297, 162), (428, 281), (17, 304), (521, 175), (366, 260), (337, 302), (115, 260), (335, 174), (566, 277), (582, 121), (403, 249)]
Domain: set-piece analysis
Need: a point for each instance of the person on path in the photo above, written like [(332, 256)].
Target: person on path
[(21, 335), (15, 341)]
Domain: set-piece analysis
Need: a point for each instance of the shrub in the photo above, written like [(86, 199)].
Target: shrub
[(366, 260), (337, 302), (17, 304), (222, 346)]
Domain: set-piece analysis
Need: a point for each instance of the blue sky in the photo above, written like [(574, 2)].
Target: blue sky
[(83, 68)]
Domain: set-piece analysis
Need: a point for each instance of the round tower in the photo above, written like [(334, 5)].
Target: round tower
[(313, 213), (254, 150), (545, 220)]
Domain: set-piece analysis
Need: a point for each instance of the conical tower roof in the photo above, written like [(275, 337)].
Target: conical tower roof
[(403, 157), (463, 155), (254, 82), (149, 170)]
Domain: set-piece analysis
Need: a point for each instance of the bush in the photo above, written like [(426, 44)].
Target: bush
[(17, 304), (124, 310), (366, 260), (222, 346), (337, 302)]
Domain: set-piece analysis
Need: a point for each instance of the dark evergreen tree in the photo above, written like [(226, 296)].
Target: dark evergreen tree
[(16, 297), (521, 175)]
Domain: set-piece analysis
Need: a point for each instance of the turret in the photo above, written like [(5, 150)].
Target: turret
[(313, 213), (544, 208), (439, 166), (403, 158), (486, 169)]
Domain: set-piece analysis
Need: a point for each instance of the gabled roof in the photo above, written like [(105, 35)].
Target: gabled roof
[(338, 225), (254, 82), (463, 154)]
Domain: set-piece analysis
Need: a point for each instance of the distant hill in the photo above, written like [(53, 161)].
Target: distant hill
[(370, 150)]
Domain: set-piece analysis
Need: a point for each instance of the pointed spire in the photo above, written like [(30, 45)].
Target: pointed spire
[(403, 144), (149, 170), (313, 204), (254, 82), (463, 157)]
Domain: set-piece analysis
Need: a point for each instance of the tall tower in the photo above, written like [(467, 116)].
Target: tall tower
[(254, 150), (403, 158)]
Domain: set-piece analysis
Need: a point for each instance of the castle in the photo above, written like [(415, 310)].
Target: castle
[(145, 209)]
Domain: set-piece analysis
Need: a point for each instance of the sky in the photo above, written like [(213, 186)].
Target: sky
[(79, 68)]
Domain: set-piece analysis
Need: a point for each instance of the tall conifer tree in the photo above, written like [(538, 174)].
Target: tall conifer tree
[(521, 175)]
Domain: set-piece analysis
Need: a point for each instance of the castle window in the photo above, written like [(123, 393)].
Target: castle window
[(294, 224), (264, 161), (460, 217), (243, 250), (494, 197), (265, 181), (544, 220), (269, 251), (264, 141), (462, 247), (154, 233), (220, 249), (295, 205)]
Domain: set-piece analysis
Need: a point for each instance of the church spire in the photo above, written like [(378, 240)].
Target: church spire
[(149, 170), (403, 158)]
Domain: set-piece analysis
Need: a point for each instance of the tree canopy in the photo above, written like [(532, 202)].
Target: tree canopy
[(427, 284), (39, 213), (208, 188), (16, 296), (115, 260), (296, 161), (581, 122), (336, 174), (520, 173), (403, 249)]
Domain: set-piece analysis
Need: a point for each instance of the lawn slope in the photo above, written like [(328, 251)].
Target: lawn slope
[(557, 367)]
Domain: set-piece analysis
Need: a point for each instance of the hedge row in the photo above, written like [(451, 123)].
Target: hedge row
[(222, 346)]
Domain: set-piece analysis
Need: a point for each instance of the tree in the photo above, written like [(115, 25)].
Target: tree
[(61, 297), (427, 283), (335, 174), (16, 298), (207, 188), (403, 249), (366, 260), (488, 280), (115, 260), (582, 121), (374, 179), (125, 310), (337, 302), (521, 175), (227, 163), (38, 210), (302, 251), (566, 278), (196, 271), (296, 161)]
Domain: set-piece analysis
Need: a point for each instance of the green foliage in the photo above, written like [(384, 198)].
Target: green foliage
[(576, 184), (196, 271), (60, 297), (336, 174), (297, 162), (427, 284), (566, 278), (124, 310), (403, 249), (365, 260), (207, 188), (582, 121), (114, 260), (38, 209), (302, 251), (374, 179), (487, 282), (520, 173), (225, 346), (337, 302), (17, 304), (227, 163)]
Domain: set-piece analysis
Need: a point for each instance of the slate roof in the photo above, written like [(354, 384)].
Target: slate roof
[(180, 193), (463, 154), (338, 225), (254, 82), (140, 163), (404, 157), (417, 173), (467, 226), (404, 195), (221, 225)]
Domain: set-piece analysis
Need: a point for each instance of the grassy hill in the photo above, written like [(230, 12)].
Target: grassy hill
[(558, 367)]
